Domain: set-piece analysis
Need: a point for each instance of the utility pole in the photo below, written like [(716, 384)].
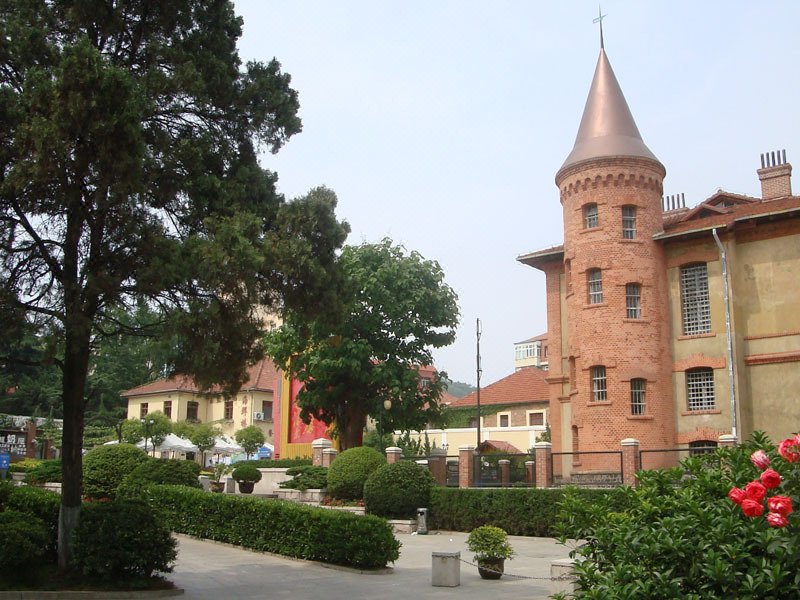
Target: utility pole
[(478, 368)]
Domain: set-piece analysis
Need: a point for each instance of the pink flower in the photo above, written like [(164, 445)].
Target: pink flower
[(781, 505), (737, 495), (760, 459), (771, 479), (752, 508), (755, 491), (776, 520), (789, 449)]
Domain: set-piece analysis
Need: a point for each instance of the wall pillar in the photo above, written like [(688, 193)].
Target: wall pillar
[(530, 472), (437, 464), (631, 461), (393, 454), (466, 466), (543, 464), (317, 446), (726, 440), (328, 456), (505, 472)]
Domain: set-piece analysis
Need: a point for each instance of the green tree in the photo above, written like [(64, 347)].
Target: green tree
[(129, 134), (204, 436), (396, 309), (250, 438)]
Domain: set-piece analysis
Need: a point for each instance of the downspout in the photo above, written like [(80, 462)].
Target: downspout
[(726, 294)]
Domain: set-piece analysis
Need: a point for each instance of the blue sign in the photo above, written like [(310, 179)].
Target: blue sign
[(264, 452), (5, 460)]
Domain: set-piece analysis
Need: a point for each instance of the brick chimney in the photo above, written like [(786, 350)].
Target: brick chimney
[(775, 175)]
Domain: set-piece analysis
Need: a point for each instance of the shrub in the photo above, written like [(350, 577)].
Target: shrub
[(165, 470), (41, 504), (25, 539), (246, 473), (24, 465), (250, 438), (348, 473), (122, 539), (104, 468), (398, 490), (44, 472), (277, 463), (489, 542), (287, 528), (307, 477)]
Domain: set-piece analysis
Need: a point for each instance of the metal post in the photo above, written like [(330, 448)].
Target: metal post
[(478, 373)]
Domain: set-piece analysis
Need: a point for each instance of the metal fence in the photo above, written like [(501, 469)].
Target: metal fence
[(487, 469), (451, 471), (601, 468), (666, 458)]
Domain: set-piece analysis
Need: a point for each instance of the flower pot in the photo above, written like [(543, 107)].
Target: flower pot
[(217, 486), (491, 568), (246, 487)]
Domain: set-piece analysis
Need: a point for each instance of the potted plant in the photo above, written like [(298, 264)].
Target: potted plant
[(216, 484), (491, 548), (246, 476)]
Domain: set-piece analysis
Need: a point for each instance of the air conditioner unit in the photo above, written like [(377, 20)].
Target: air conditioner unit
[(259, 416)]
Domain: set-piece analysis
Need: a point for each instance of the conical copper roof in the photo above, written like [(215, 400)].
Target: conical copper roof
[(607, 127)]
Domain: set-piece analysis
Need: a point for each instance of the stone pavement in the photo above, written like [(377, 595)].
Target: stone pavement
[(210, 571)]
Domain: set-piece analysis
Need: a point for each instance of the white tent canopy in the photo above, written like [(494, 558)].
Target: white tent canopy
[(171, 443), (224, 445)]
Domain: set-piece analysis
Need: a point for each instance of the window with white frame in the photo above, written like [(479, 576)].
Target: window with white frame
[(638, 388), (590, 218), (700, 389), (599, 385), (594, 279), (504, 420), (633, 301), (628, 222), (694, 299)]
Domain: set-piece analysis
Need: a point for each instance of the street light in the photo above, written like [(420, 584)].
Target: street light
[(147, 424), (387, 406)]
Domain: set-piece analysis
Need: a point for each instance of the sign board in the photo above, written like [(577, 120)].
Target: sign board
[(264, 452), (5, 460)]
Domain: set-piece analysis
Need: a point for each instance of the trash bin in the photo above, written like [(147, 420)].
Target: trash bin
[(422, 521), (446, 569)]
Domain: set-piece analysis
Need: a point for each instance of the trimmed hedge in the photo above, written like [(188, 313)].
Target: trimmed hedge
[(519, 511), (305, 478), (42, 504), (396, 491), (45, 471), (286, 528), (25, 541), (104, 468), (277, 463), (349, 472), (166, 471)]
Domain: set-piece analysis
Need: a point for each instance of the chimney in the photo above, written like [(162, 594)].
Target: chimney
[(775, 175)]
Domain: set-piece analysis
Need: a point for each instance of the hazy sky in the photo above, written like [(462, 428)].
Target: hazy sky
[(441, 124)]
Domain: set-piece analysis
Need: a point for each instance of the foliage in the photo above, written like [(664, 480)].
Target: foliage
[(166, 470), (24, 465), (156, 427), (277, 463), (305, 478), (122, 539), (286, 528), (461, 416), (204, 436), (348, 473), (39, 503), (681, 537), (397, 308), (105, 467), (250, 438), (246, 473), (413, 447), (373, 440), (519, 511), (220, 469), (488, 542), (44, 472), (24, 544), (459, 389), (546, 435), (398, 490)]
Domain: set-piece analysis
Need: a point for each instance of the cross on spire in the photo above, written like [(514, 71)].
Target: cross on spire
[(599, 19)]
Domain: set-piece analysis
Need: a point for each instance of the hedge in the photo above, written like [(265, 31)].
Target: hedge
[(277, 463), (286, 528), (42, 504), (520, 511)]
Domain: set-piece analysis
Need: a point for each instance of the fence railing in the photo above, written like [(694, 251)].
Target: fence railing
[(665, 458), (599, 468), (488, 471)]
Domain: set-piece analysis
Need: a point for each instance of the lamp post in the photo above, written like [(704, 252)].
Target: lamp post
[(387, 406), (147, 424)]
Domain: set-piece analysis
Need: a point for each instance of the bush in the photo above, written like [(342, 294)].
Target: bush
[(44, 472), (307, 477), (41, 504), (246, 473), (123, 539), (287, 528), (488, 543), (25, 539), (104, 468), (348, 473), (24, 465), (398, 490), (277, 463), (165, 470)]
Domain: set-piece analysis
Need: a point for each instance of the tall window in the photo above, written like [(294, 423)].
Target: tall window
[(633, 301), (191, 411), (599, 389), (700, 389), (694, 299), (143, 409), (628, 222), (590, 219), (638, 396), (503, 420), (594, 278), (229, 409), (168, 408)]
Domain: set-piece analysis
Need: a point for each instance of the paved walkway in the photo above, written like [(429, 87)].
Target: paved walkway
[(209, 571)]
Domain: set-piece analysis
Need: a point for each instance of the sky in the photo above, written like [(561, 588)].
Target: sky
[(441, 124)]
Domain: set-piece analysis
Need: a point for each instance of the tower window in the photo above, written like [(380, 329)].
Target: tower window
[(599, 386), (590, 218), (694, 299), (700, 389), (638, 405), (633, 301), (628, 222), (594, 278)]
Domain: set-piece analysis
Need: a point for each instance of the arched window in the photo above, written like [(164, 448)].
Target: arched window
[(594, 280), (638, 404), (590, 216)]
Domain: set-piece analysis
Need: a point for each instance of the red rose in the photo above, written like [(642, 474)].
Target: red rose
[(771, 479), (755, 491), (760, 459), (737, 495), (781, 505), (777, 520), (752, 508), (788, 449)]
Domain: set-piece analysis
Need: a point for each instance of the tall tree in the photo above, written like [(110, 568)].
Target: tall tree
[(129, 133), (396, 309)]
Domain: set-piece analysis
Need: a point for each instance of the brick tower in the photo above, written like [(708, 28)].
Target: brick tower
[(614, 346)]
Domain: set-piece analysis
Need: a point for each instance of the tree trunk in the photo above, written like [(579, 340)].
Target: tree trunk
[(351, 431)]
